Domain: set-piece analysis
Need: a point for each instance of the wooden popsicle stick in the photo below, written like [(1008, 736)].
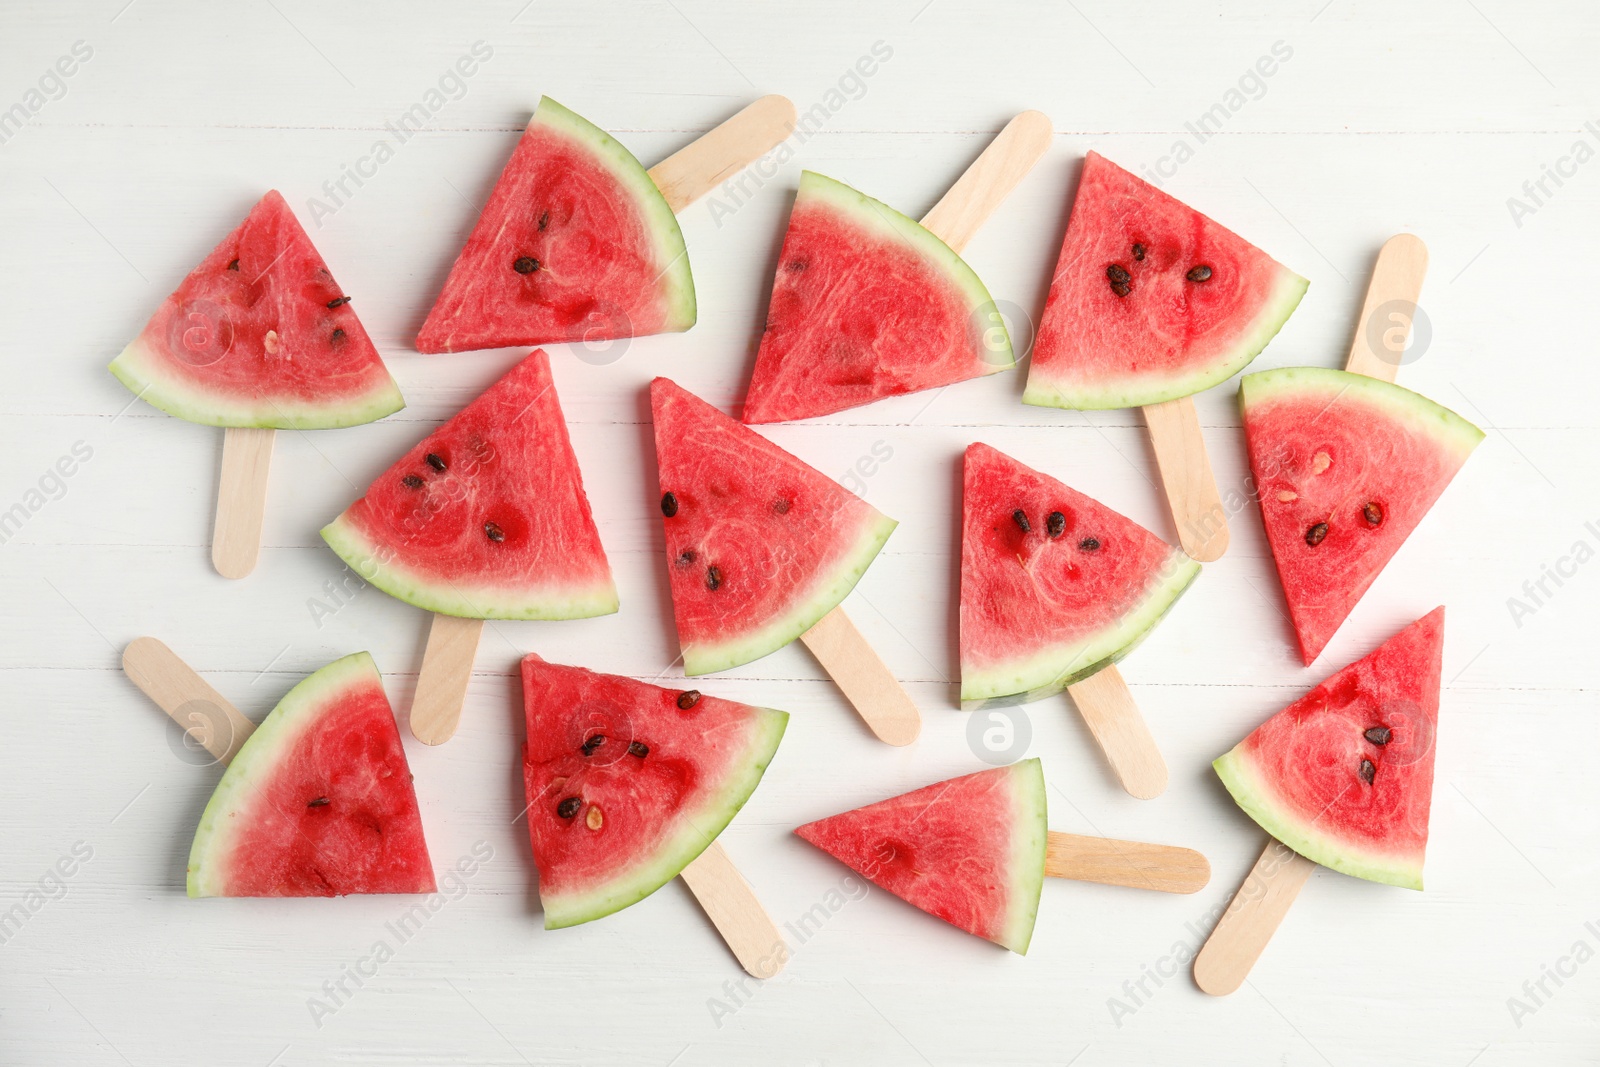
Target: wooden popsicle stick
[(1380, 340), (955, 219), (700, 166), (1107, 706), (1251, 919), (1165, 868), (442, 682), (736, 913), (185, 696), (1191, 488), (866, 682), (241, 500)]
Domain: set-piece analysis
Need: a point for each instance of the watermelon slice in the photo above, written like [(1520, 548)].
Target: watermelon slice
[(486, 517), (318, 802), (259, 334), (969, 851), (575, 244), (627, 783), (1345, 466), (867, 304), (1054, 585), (759, 545), (1344, 775), (1151, 300)]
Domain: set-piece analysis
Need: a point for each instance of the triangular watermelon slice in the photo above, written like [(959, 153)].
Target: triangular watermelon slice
[(759, 545), (259, 334), (867, 303), (1345, 466), (969, 851), (575, 244), (318, 801), (1344, 775), (627, 782), (486, 517), (1151, 300), (1054, 585)]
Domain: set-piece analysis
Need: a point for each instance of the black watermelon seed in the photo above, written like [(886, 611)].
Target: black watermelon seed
[(233, 264), (638, 748), (1089, 544), (569, 807), (796, 265), (1199, 274), (320, 802), (544, 220), (1020, 517), (1138, 252), (435, 461), (669, 505), (492, 531), (338, 301), (686, 557), (713, 578), (1055, 524), (1315, 535), (1118, 274), (688, 698), (525, 265), (781, 506), (593, 743), (1373, 513), (1121, 288), (411, 481), (1378, 735), (1368, 771), (338, 337)]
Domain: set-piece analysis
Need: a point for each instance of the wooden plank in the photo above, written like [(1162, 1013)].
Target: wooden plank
[(736, 913), (1389, 309), (442, 682), (968, 203), (1185, 468), (1164, 868), (241, 500), (1251, 919), (189, 699), (1108, 707), (711, 159), (864, 678)]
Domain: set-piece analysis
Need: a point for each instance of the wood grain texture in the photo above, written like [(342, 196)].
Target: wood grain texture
[(864, 679), (442, 683), (191, 702), (241, 500), (699, 167), (1109, 710), (1163, 868), (1191, 488), (1387, 313), (956, 218), (1224, 962), (732, 906)]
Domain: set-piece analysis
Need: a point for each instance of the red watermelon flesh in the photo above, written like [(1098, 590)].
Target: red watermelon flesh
[(318, 801), (759, 545), (1151, 300), (486, 517), (969, 851), (1344, 775), (1345, 467), (575, 244), (259, 334), (1047, 605), (628, 782), (866, 304)]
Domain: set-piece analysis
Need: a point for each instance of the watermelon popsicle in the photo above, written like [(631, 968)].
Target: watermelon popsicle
[(1342, 777), (1056, 588), (1152, 302), (258, 338), (975, 851)]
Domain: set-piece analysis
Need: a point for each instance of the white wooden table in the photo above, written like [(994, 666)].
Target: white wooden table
[(1377, 118)]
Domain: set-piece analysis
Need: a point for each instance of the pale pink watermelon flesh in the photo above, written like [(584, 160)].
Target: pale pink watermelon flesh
[(1344, 775), (969, 851), (259, 334), (627, 782), (575, 244), (486, 517), (1151, 300), (759, 545), (318, 802), (1049, 605), (866, 304), (1345, 466)]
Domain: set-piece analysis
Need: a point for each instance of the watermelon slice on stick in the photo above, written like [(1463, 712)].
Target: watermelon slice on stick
[(761, 549), (1056, 588), (629, 785), (974, 851), (258, 338), (578, 242), (1152, 302), (317, 801), (485, 518), (1342, 777), (867, 303)]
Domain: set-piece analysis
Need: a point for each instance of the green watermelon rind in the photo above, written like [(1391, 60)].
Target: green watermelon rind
[(1049, 672), (259, 756), (608, 152), (1253, 794), (872, 214), (373, 561), (1432, 419), (1029, 844), (1157, 389), (700, 828), (827, 593), (142, 371)]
